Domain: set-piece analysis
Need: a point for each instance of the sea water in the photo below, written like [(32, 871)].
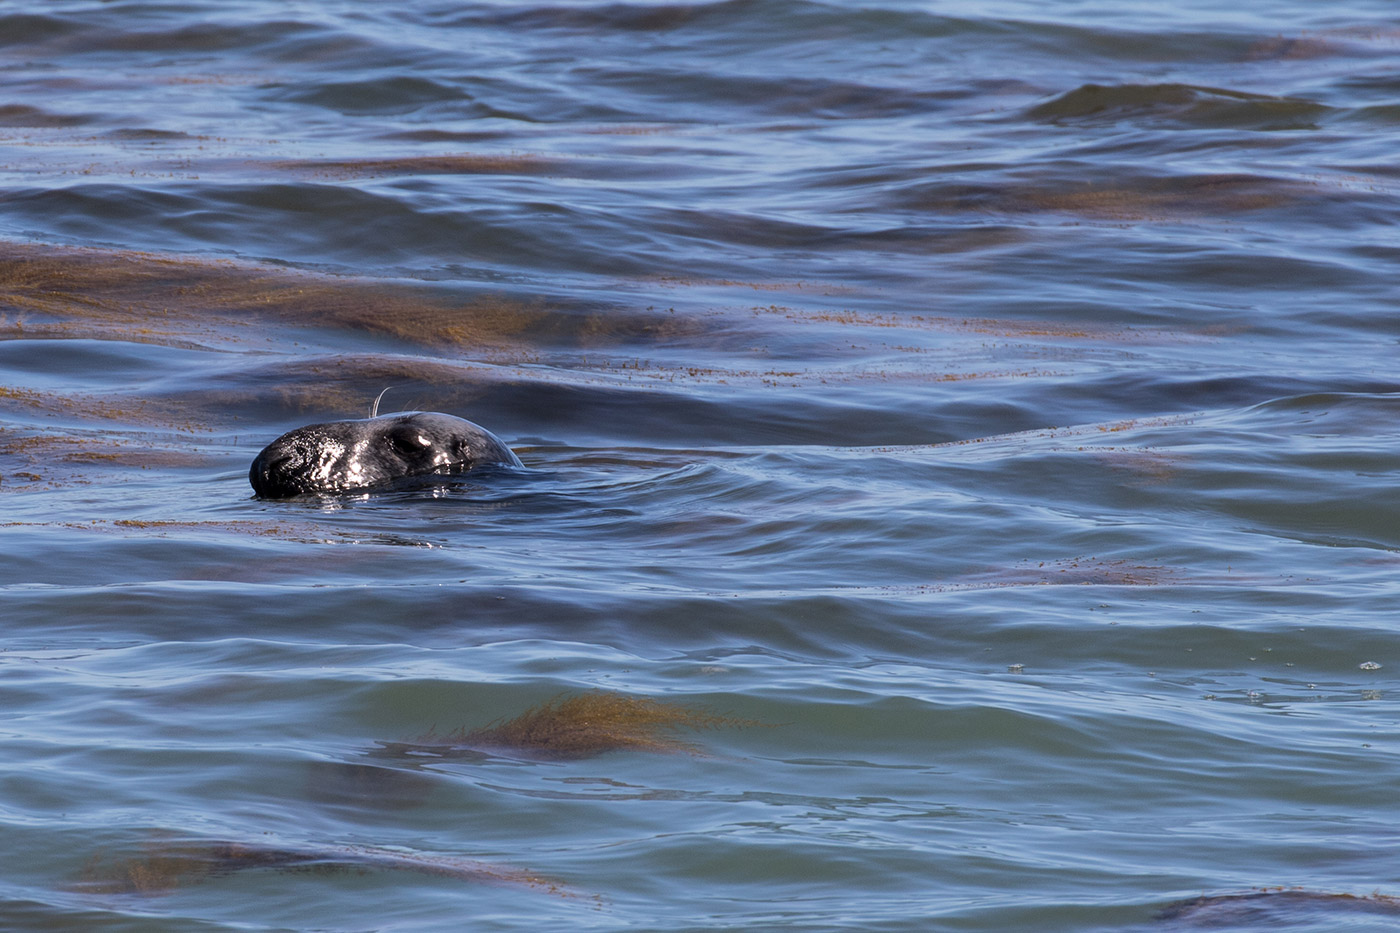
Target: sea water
[(961, 436)]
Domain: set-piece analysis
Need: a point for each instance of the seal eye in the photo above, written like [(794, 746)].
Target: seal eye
[(409, 442)]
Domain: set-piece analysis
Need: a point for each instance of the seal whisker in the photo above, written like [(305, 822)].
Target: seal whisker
[(374, 409)]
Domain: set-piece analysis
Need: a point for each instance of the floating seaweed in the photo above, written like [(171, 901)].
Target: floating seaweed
[(61, 459), (143, 297), (48, 292), (564, 727), (162, 867), (1271, 906), (457, 164), (578, 726)]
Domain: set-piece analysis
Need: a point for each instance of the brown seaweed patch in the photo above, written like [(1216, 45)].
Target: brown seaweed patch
[(1094, 571), (486, 324), (214, 79), (237, 526), (1186, 197), (793, 378), (141, 296), (1195, 196), (1269, 907), (1068, 433), (1187, 104), (1076, 572), (290, 531), (165, 866), (1318, 44), (59, 292), (22, 115), (1365, 33), (62, 460), (1290, 48), (1073, 571), (992, 327), (1145, 466), (22, 325), (1091, 571), (584, 725), (681, 281), (459, 164), (636, 129), (48, 448)]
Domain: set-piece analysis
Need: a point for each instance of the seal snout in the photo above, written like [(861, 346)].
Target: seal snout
[(270, 471)]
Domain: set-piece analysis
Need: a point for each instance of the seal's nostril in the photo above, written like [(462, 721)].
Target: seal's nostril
[(268, 474)]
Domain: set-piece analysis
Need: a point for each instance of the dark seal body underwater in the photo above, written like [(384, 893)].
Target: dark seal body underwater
[(345, 456)]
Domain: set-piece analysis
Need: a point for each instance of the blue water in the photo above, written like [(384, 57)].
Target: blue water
[(989, 410)]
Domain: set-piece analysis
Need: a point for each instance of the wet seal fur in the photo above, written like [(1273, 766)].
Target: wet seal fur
[(346, 456)]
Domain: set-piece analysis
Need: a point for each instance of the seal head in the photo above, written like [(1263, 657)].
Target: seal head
[(344, 456)]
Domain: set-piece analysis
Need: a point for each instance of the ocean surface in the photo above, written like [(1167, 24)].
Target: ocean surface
[(961, 466)]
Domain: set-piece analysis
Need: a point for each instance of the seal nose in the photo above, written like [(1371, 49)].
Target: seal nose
[(264, 473)]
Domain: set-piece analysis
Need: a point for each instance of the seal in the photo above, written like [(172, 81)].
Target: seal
[(344, 456)]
